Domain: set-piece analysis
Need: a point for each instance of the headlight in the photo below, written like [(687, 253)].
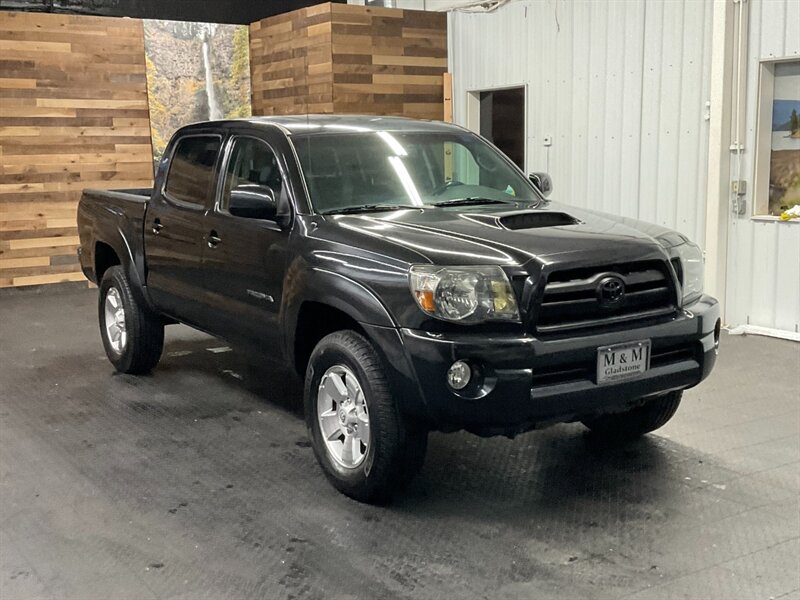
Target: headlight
[(464, 294), (691, 258)]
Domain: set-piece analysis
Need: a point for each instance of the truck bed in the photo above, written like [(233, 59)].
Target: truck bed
[(132, 194), (114, 218)]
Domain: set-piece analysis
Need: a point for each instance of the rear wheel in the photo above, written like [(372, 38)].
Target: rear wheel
[(133, 336), (366, 448), (638, 421)]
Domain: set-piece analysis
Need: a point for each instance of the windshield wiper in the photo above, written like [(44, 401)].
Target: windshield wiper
[(471, 201), (368, 208)]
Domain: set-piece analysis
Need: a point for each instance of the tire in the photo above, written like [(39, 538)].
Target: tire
[(638, 421), (135, 340), (381, 462)]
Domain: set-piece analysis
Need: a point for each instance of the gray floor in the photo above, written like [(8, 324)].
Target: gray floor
[(197, 482)]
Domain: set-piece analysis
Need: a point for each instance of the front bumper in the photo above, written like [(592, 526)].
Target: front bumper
[(525, 382)]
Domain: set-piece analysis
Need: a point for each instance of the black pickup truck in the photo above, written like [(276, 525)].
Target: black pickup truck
[(412, 274)]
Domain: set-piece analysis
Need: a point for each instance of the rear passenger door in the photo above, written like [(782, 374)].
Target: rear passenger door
[(175, 227)]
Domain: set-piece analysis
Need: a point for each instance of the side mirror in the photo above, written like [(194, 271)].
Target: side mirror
[(542, 182), (253, 201)]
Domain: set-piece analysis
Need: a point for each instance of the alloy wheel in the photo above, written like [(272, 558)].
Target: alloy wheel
[(116, 332), (343, 416)]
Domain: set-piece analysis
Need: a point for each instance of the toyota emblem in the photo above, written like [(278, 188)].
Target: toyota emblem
[(610, 291)]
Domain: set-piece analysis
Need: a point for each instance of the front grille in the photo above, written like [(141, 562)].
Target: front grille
[(586, 369), (672, 355), (565, 373), (571, 299)]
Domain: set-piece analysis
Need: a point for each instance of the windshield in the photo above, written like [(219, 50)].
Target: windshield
[(378, 170)]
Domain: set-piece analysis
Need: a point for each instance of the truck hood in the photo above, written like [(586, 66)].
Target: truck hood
[(504, 235)]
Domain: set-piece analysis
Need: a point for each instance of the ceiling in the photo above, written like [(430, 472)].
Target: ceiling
[(217, 11)]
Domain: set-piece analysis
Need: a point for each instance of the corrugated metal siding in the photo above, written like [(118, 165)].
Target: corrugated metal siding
[(619, 86), (764, 257)]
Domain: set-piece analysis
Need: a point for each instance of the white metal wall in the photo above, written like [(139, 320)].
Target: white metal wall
[(764, 256), (619, 86)]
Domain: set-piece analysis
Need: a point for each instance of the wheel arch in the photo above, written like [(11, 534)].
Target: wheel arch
[(105, 257), (323, 302), (115, 249), (315, 320)]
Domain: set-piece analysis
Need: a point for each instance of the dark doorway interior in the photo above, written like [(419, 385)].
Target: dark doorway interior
[(503, 121)]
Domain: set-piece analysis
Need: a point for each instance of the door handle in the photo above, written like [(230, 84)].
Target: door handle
[(213, 239), (157, 226)]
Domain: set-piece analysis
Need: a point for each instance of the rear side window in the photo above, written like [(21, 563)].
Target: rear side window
[(191, 173)]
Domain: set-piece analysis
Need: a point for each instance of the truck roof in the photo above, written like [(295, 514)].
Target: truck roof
[(295, 124)]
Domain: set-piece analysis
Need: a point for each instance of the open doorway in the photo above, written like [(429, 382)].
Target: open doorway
[(502, 121)]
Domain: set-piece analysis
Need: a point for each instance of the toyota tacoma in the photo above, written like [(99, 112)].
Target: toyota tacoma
[(412, 275)]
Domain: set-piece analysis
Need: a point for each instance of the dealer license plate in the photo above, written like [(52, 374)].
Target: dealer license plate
[(622, 361)]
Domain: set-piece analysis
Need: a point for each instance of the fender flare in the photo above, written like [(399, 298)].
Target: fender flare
[(362, 305), (132, 263), (335, 290)]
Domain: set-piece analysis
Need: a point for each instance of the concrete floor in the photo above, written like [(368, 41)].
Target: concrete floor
[(198, 482)]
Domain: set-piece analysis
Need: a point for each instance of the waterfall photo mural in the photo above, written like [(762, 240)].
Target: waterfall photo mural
[(195, 72)]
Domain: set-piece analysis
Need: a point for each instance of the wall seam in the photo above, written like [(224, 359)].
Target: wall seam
[(641, 113)]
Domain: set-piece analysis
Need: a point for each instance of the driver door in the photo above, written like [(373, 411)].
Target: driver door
[(244, 257)]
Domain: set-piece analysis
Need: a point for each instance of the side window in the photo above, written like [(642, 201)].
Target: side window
[(251, 162), (191, 173)]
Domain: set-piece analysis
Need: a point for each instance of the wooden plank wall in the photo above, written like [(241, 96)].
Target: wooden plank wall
[(350, 59), (388, 61), (73, 114), (290, 63)]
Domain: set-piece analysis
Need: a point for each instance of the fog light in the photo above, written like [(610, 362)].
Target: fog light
[(458, 375)]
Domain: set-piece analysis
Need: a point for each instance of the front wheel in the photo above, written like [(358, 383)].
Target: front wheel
[(366, 448), (133, 336), (637, 421)]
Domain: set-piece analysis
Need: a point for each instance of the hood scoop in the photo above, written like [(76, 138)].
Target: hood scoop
[(528, 219)]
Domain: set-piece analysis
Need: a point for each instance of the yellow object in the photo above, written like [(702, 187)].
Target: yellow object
[(425, 299), (791, 213), (501, 299)]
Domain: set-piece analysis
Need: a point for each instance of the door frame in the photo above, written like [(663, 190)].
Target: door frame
[(474, 113)]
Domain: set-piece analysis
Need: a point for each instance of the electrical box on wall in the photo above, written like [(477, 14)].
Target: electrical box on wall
[(739, 204)]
